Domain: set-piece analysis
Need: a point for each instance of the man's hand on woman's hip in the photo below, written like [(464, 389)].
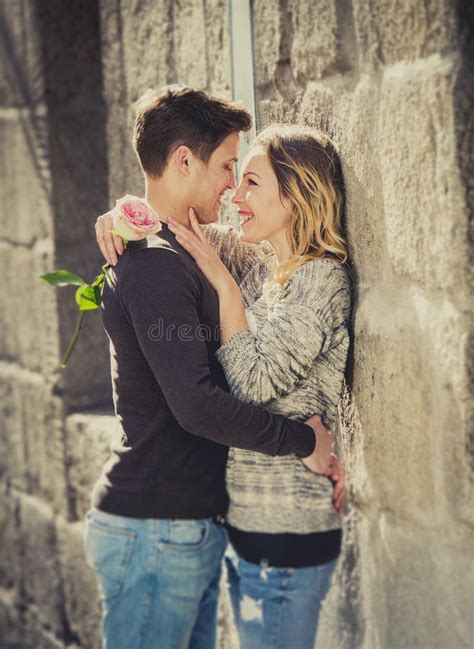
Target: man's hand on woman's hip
[(320, 459)]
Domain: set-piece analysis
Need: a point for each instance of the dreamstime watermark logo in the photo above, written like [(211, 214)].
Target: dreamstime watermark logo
[(161, 331)]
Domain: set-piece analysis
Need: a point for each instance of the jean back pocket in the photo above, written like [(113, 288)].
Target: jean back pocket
[(108, 551), (186, 535)]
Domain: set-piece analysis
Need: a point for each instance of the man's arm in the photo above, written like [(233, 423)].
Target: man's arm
[(161, 297)]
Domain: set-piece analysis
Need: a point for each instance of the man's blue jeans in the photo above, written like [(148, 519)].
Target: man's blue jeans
[(276, 608), (159, 580)]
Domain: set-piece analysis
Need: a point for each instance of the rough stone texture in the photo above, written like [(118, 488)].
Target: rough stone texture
[(399, 117), (81, 597), (393, 84), (21, 69), (427, 238), (88, 440), (41, 580), (147, 44), (389, 31), (266, 32), (70, 49), (29, 334), (11, 555), (53, 172), (21, 137), (314, 50), (31, 436)]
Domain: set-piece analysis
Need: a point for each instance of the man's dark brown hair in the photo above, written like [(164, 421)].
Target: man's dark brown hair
[(177, 115)]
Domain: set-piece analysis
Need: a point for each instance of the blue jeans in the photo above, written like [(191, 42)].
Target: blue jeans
[(159, 580), (276, 608)]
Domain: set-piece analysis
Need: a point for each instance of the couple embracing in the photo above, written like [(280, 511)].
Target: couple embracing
[(228, 352)]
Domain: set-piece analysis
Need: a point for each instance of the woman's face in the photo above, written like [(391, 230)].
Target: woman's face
[(263, 214)]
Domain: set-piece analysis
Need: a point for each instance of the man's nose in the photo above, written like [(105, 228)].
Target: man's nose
[(231, 183)]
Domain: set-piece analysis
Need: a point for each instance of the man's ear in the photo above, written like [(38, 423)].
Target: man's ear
[(182, 159)]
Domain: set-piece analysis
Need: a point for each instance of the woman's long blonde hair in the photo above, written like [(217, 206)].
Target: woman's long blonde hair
[(309, 174)]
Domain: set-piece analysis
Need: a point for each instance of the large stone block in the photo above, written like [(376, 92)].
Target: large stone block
[(25, 190), (400, 429), (44, 436), (79, 196), (171, 56), (81, 597), (21, 629), (11, 623), (425, 211), (21, 65), (411, 385), (125, 28), (267, 39), (38, 635), (32, 436), (315, 49), (354, 115), (70, 42), (407, 564), (393, 31), (446, 329), (120, 155), (297, 41), (41, 576), (217, 40), (11, 558), (189, 54), (88, 442), (79, 176), (12, 445), (29, 325)]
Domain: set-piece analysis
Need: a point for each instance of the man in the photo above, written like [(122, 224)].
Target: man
[(154, 535)]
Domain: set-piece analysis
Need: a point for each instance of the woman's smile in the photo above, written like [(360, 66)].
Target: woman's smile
[(245, 217)]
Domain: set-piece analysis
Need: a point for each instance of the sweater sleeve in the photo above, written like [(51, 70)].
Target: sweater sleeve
[(159, 294), (238, 256), (268, 364)]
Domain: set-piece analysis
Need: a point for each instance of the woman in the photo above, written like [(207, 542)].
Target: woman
[(284, 310)]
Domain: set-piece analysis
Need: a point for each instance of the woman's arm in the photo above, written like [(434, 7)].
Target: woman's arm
[(238, 256), (269, 363), (232, 317)]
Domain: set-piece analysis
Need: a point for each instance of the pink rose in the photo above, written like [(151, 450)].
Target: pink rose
[(134, 219)]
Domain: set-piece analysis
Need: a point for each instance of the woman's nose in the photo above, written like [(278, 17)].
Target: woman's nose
[(236, 197)]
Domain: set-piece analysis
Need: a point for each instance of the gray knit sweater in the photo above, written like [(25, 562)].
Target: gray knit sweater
[(291, 361)]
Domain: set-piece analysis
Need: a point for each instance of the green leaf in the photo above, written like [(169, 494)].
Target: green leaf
[(88, 298), (99, 280), (63, 278)]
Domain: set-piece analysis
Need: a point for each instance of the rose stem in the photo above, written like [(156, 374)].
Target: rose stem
[(77, 331)]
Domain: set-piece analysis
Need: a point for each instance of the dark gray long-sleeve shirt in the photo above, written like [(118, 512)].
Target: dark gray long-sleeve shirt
[(170, 393)]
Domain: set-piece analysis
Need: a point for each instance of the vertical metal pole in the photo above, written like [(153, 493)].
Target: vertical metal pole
[(242, 63)]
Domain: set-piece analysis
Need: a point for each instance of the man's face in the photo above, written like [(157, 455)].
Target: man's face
[(214, 179)]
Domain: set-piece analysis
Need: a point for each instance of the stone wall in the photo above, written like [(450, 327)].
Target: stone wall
[(392, 83)]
